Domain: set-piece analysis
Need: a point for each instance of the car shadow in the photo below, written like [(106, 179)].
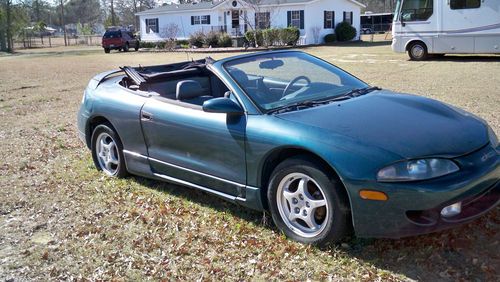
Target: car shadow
[(465, 58), (467, 252), (206, 199)]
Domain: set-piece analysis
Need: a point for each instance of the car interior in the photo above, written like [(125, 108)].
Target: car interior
[(190, 83)]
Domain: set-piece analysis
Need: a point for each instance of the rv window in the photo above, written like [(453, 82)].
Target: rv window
[(465, 4), (417, 10)]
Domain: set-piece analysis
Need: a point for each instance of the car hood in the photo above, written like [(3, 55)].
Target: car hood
[(407, 125)]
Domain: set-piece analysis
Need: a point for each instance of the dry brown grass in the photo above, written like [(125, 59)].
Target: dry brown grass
[(61, 219)]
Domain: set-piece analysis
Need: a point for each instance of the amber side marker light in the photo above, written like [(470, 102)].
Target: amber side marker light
[(373, 195)]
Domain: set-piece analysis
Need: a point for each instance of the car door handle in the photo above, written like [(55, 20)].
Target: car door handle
[(146, 116)]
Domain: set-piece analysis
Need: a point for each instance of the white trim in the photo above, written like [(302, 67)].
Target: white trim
[(197, 172)]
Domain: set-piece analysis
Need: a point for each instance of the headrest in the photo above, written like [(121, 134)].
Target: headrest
[(188, 89), (240, 76)]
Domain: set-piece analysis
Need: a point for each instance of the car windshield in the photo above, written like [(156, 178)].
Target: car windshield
[(275, 80)]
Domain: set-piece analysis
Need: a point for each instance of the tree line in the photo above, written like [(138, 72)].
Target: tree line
[(20, 16)]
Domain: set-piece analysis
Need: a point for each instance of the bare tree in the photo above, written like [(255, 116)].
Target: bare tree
[(113, 21), (61, 2), (256, 8), (170, 33), (315, 30)]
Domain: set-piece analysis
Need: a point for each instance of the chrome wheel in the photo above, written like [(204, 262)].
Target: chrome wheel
[(107, 153), (302, 204)]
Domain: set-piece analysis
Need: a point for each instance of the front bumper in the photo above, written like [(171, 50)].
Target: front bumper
[(414, 208)]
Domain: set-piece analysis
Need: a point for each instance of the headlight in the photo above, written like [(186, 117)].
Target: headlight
[(416, 170), (492, 136)]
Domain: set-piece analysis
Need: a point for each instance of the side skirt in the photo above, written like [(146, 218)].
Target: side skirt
[(139, 164)]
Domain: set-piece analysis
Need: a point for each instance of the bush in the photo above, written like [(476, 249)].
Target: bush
[(182, 42), (289, 35), (330, 38), (196, 39), (159, 44), (211, 39), (254, 37), (270, 36), (345, 31), (225, 40)]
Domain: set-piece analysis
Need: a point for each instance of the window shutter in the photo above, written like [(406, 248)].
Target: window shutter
[(147, 25), (344, 17), (157, 26), (301, 19), (208, 19), (351, 18), (256, 26), (288, 18), (324, 20), (192, 20)]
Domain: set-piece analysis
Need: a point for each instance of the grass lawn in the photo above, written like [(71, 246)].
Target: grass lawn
[(62, 219)]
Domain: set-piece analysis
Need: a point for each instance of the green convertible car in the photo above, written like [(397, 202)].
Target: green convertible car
[(285, 131)]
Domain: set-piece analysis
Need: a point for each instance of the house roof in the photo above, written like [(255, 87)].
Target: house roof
[(208, 5)]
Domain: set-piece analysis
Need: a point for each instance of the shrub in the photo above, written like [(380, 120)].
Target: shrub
[(196, 39), (270, 36), (254, 37), (211, 39), (225, 40), (345, 31), (329, 38), (289, 35), (182, 42)]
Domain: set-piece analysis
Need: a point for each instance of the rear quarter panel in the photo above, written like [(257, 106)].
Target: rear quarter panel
[(121, 107)]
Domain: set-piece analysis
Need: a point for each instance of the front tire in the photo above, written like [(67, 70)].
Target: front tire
[(137, 44), (307, 203), (125, 49), (107, 151), (418, 51)]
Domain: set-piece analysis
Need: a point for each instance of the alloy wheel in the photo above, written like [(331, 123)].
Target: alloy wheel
[(302, 204)]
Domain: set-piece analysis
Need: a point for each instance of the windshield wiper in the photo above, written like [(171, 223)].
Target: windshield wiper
[(355, 93), (294, 106), (311, 103)]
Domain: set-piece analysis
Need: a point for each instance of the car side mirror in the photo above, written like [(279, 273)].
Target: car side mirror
[(222, 105)]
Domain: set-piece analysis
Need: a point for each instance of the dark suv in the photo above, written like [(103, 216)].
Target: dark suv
[(119, 40)]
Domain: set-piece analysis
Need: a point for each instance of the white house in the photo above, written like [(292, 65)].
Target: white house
[(314, 18)]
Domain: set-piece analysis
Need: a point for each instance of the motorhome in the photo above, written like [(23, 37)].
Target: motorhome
[(438, 27)]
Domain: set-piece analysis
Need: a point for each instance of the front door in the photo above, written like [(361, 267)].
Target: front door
[(186, 143), (235, 20)]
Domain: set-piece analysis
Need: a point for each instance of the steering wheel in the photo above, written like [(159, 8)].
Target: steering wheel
[(291, 83)]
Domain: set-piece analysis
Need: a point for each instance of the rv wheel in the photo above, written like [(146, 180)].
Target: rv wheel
[(418, 51)]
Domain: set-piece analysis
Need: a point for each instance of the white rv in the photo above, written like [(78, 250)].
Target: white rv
[(423, 27)]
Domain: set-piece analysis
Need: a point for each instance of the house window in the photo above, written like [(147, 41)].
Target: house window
[(465, 4), (196, 20), (348, 17), (152, 25), (329, 19), (296, 19), (262, 20)]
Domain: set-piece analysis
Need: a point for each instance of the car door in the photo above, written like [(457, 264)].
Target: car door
[(188, 144)]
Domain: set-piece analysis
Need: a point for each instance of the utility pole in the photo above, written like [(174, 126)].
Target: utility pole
[(113, 23), (62, 23)]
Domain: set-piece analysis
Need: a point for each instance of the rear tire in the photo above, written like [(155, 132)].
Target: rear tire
[(418, 51), (307, 203), (106, 50), (107, 151)]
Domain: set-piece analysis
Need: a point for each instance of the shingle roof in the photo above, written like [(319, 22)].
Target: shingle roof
[(206, 5)]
